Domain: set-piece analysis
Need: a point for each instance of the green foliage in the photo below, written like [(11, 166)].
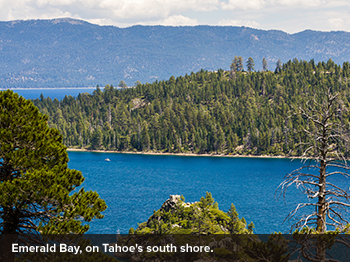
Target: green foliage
[(233, 221), (250, 65), (201, 217), (38, 191), (278, 66), (182, 198), (204, 112), (314, 246), (274, 249), (122, 84)]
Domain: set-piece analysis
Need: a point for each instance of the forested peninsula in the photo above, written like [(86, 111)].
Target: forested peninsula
[(223, 112)]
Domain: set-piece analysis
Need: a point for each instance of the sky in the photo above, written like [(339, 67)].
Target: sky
[(291, 16)]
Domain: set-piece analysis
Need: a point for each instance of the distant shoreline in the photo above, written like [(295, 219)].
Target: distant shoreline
[(45, 88), (179, 154)]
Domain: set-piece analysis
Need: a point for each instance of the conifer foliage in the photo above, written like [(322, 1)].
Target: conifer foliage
[(36, 185), (221, 112)]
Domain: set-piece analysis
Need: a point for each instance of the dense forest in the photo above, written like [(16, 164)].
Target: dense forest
[(222, 112)]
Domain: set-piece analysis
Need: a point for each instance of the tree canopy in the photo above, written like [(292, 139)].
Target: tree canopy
[(202, 112), (202, 217), (39, 193)]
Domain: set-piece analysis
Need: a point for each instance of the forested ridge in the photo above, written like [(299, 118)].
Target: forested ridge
[(222, 112), (67, 52)]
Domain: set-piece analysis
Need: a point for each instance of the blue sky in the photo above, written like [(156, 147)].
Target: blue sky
[(288, 15)]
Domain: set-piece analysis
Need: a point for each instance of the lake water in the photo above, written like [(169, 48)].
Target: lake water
[(59, 93), (133, 186)]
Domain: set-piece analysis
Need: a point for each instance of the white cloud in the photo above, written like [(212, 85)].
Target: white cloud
[(339, 23), (288, 15), (306, 3), (162, 8), (179, 20), (175, 20), (238, 23), (260, 4), (247, 4), (108, 11), (336, 22)]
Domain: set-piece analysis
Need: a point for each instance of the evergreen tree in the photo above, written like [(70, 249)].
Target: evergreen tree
[(96, 139), (278, 66), (239, 64), (122, 84), (233, 219), (264, 64), (234, 63), (250, 64), (201, 112), (36, 184)]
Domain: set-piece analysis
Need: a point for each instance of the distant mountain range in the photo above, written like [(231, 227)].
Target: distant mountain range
[(73, 53)]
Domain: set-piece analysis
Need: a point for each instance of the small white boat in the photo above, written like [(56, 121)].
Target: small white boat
[(107, 160)]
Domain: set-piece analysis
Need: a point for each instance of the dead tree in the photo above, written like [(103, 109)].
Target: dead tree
[(323, 159)]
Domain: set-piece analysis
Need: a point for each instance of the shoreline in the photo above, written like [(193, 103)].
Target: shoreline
[(44, 88), (179, 154)]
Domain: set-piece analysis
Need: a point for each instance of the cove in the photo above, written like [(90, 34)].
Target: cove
[(134, 185)]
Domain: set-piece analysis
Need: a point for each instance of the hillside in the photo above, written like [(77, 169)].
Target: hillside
[(204, 112), (74, 53), (203, 217)]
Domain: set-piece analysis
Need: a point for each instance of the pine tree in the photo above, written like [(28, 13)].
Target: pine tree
[(122, 84), (36, 184), (264, 64), (145, 139), (233, 65), (96, 140), (278, 66), (240, 64), (250, 64), (236, 225)]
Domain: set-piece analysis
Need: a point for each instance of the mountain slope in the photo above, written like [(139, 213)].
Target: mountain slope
[(70, 53)]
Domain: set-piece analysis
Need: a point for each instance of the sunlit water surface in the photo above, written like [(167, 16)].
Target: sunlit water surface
[(135, 185)]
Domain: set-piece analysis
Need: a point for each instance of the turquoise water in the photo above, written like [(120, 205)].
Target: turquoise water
[(133, 186)]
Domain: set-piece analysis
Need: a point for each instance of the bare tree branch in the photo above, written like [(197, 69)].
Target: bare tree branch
[(324, 146)]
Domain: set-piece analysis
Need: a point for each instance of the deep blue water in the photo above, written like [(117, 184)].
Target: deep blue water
[(53, 93), (133, 186)]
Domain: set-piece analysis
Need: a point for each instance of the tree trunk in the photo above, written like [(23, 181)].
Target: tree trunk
[(10, 220), (6, 254), (321, 218)]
